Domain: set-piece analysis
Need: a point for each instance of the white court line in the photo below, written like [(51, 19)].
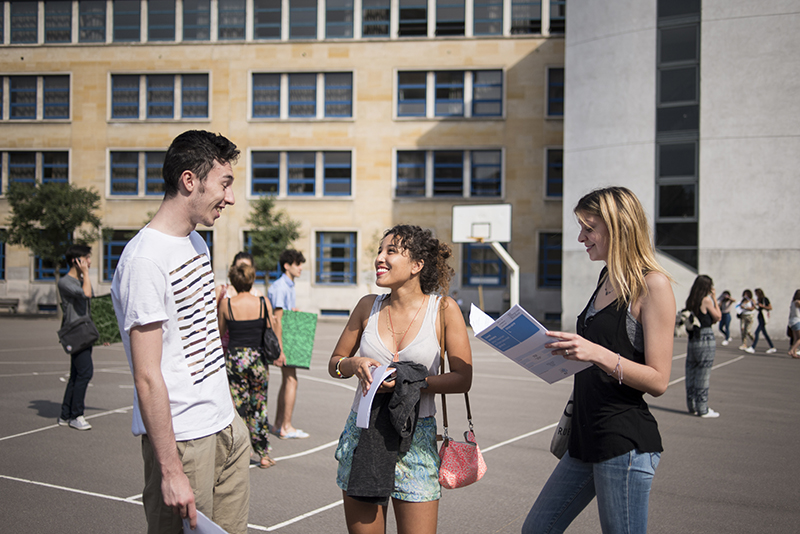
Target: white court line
[(296, 519), (523, 436), (72, 490), (330, 382), (118, 410), (304, 453)]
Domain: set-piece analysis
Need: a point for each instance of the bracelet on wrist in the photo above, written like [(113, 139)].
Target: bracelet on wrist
[(617, 370), (338, 370)]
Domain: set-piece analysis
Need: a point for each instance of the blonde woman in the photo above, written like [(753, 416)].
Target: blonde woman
[(626, 332)]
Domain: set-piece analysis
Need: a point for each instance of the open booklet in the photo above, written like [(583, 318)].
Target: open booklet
[(379, 374), (521, 338)]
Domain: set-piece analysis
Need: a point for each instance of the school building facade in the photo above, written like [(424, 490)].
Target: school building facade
[(354, 114)]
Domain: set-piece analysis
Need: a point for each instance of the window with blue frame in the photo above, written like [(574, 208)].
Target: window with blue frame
[(57, 21), (558, 16), (22, 167), (337, 173), (486, 173), (196, 20), (26, 103), (161, 20), (448, 173), (266, 19), (114, 243), (339, 19), (194, 96), (487, 17), (22, 97), (450, 16), (56, 97), (127, 21), (375, 18), (481, 266), (487, 93), (55, 167), (413, 18), (160, 92), (24, 19), (555, 172), (301, 173), (46, 270), (336, 258), (208, 237), (302, 95), (92, 21), (303, 19), (550, 260), (449, 94), (260, 273), (410, 173), (339, 94), (555, 92), (160, 96), (2, 25), (266, 96), (153, 175), (266, 173), (124, 173), (526, 16), (412, 94), (232, 20), (124, 96)]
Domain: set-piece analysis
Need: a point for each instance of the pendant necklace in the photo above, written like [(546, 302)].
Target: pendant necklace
[(606, 288), (404, 332)]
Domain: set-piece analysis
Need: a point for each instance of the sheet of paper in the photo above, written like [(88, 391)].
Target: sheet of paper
[(365, 404), (521, 338), (204, 526)]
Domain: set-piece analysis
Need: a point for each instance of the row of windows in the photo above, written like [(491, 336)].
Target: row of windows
[(87, 21), (309, 96), (335, 260), (419, 173)]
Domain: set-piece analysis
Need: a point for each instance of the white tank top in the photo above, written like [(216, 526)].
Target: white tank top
[(424, 349)]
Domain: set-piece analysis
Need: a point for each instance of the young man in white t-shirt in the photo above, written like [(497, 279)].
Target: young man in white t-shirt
[(195, 447)]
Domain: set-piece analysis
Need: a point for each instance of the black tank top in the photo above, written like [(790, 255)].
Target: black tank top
[(246, 333), (609, 419)]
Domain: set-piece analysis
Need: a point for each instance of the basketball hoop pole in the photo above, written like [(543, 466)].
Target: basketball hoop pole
[(513, 268)]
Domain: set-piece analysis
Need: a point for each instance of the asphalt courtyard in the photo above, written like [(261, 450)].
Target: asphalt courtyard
[(735, 474)]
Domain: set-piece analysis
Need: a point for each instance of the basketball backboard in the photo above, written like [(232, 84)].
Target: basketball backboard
[(482, 222)]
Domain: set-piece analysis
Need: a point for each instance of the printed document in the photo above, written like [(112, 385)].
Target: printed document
[(365, 404), (204, 526), (521, 338)]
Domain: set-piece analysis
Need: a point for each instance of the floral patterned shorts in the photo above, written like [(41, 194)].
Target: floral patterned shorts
[(416, 474)]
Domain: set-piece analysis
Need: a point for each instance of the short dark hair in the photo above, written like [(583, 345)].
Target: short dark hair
[(76, 251), (195, 151), (291, 257)]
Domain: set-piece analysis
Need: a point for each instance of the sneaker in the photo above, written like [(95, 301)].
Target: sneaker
[(750, 350), (80, 423), (742, 347), (773, 350), (710, 414), (62, 422), (729, 339), (725, 342)]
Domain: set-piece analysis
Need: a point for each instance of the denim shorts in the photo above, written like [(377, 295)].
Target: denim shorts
[(794, 324), (416, 474)]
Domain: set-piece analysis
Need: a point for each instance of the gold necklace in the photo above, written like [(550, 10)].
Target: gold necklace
[(404, 332), (606, 288)]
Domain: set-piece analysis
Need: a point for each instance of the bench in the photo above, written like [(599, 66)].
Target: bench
[(10, 304)]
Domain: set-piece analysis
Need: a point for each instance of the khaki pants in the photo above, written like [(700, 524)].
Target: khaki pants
[(218, 468)]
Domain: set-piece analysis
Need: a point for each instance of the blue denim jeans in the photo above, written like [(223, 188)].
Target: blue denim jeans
[(762, 327), (725, 325), (621, 484)]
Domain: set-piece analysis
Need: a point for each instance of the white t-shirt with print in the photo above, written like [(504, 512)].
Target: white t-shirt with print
[(167, 279)]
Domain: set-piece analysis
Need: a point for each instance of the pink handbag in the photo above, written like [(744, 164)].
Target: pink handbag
[(461, 462)]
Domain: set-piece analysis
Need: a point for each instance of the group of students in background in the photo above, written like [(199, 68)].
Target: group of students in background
[(751, 309)]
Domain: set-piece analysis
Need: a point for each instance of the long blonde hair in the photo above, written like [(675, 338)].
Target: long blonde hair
[(630, 249)]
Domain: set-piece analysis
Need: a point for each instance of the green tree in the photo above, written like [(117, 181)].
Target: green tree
[(272, 231), (47, 218)]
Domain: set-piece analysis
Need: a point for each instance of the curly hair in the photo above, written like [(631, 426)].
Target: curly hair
[(422, 246)]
